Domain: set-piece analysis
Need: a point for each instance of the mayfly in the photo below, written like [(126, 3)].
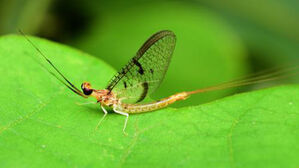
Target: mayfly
[(141, 77)]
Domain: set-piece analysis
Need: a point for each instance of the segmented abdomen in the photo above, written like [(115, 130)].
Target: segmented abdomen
[(140, 108)]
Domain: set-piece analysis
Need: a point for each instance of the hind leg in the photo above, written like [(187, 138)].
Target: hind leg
[(126, 121)]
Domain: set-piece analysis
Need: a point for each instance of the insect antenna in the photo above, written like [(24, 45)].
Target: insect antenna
[(68, 84)]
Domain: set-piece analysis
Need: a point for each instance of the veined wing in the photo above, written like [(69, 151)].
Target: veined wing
[(145, 71)]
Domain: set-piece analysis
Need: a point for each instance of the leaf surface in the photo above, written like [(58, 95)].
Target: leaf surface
[(42, 126)]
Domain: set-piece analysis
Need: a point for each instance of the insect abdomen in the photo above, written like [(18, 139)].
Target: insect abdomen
[(140, 108)]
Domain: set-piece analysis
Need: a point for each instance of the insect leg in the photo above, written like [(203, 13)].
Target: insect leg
[(81, 104), (105, 113), (127, 117)]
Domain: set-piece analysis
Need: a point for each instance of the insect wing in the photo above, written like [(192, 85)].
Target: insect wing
[(144, 72)]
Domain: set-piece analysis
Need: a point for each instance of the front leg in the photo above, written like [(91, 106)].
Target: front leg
[(86, 103)]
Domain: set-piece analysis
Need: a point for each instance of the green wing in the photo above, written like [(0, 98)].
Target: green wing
[(145, 71)]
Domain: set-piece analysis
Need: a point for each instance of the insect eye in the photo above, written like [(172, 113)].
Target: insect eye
[(87, 91)]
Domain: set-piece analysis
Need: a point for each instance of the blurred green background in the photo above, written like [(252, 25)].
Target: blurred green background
[(217, 41)]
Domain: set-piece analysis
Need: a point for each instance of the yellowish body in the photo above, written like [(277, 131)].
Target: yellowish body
[(146, 107)]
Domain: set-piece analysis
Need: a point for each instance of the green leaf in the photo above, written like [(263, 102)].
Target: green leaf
[(42, 126)]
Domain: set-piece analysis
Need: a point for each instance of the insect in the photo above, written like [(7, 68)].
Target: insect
[(142, 76)]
